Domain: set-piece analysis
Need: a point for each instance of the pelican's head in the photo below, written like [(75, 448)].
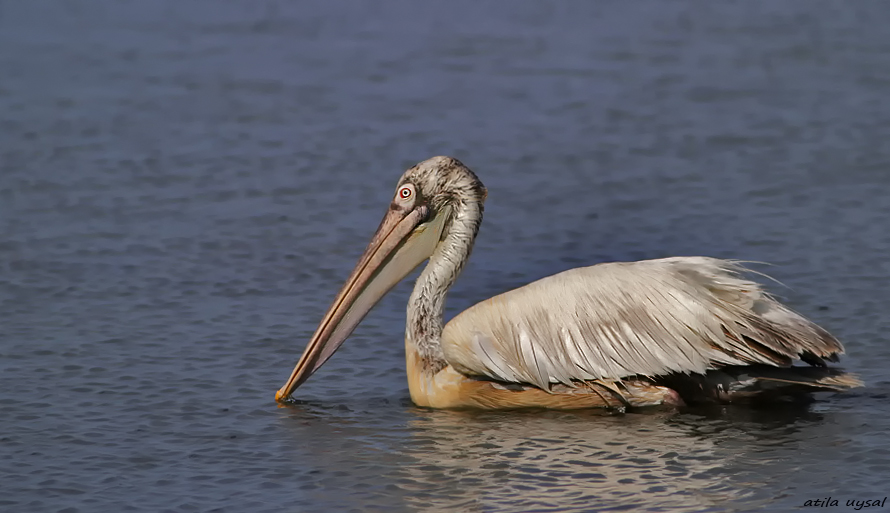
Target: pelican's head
[(422, 209)]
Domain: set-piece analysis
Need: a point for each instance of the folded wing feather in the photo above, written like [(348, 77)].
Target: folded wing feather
[(648, 318)]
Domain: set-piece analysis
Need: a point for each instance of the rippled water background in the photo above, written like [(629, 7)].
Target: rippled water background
[(184, 186)]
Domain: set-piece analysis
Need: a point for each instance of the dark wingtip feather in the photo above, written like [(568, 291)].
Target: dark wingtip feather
[(758, 383)]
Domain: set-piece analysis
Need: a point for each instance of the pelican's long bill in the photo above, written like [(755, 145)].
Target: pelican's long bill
[(405, 238)]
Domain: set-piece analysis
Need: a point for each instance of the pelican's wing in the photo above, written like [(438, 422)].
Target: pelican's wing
[(649, 318)]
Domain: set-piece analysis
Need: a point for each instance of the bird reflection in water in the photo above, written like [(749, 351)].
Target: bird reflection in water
[(544, 460)]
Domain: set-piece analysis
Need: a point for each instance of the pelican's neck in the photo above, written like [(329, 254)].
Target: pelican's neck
[(426, 305)]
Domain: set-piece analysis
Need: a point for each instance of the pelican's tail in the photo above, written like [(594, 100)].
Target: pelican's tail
[(760, 383)]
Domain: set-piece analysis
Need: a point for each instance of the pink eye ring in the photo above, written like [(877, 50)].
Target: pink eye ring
[(405, 192)]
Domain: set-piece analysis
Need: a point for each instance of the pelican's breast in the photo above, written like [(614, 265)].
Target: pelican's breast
[(449, 389)]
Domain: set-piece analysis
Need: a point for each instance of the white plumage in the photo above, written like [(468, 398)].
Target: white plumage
[(648, 318)]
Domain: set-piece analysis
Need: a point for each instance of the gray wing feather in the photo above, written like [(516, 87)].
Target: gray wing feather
[(649, 318)]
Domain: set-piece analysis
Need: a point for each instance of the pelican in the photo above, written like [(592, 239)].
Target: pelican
[(671, 331)]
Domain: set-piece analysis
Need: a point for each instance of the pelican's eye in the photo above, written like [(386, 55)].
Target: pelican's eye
[(406, 192)]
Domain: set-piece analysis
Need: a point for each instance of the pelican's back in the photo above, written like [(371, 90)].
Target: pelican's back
[(615, 320)]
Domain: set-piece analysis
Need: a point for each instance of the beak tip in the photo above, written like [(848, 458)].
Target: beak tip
[(279, 396)]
